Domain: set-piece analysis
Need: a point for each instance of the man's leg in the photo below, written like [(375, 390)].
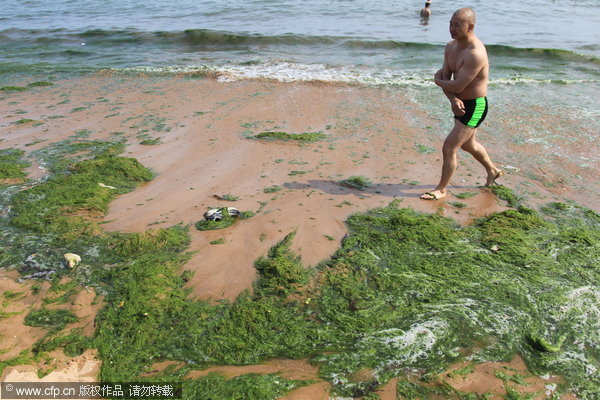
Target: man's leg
[(457, 137), (477, 150)]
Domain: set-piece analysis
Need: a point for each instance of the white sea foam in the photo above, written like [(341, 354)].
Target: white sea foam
[(550, 388), (536, 81), (584, 305), (285, 71), (294, 72), (410, 345), (580, 358)]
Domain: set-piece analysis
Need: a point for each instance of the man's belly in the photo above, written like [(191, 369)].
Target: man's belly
[(473, 92)]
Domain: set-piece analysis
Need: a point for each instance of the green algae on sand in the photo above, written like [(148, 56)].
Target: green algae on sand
[(281, 272), (406, 291), (150, 142), (12, 165), (300, 137), (153, 240), (247, 386), (272, 189), (13, 88), (417, 289), (88, 188), (139, 275), (24, 88), (54, 320), (40, 84), (507, 194), (357, 182)]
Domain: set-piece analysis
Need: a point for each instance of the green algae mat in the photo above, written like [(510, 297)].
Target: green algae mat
[(405, 293), (11, 166), (300, 137)]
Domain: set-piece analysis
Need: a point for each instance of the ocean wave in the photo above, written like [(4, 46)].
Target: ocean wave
[(388, 44), (198, 39), (202, 37), (293, 72), (77, 53), (525, 81), (540, 53)]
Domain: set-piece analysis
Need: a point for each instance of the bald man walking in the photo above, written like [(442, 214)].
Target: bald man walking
[(464, 80)]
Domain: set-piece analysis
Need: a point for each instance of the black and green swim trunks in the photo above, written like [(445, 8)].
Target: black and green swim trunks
[(475, 112)]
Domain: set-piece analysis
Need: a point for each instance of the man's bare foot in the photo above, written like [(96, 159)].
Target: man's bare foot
[(433, 195), (491, 179)]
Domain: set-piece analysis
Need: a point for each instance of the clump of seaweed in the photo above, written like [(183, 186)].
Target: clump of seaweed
[(66, 204), (465, 195), (24, 121), (507, 194), (40, 84), (357, 182), (73, 343), (406, 389), (53, 320), (272, 189), (542, 344), (281, 272), (516, 235), (175, 238), (150, 142), (61, 213), (226, 197), (301, 137), (423, 149), (58, 157), (25, 357), (13, 88), (248, 386), (11, 165)]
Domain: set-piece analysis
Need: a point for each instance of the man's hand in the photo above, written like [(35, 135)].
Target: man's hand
[(458, 107)]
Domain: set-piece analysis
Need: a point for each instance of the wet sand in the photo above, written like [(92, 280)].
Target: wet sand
[(205, 128)]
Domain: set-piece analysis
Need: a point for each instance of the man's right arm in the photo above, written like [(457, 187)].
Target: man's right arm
[(458, 107)]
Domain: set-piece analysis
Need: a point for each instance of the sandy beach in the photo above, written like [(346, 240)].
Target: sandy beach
[(203, 148)]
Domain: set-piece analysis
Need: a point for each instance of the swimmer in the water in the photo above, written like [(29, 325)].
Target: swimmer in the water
[(426, 11)]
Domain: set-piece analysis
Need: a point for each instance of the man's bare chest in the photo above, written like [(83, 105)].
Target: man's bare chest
[(456, 61)]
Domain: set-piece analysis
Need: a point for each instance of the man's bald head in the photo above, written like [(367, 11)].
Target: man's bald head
[(466, 14)]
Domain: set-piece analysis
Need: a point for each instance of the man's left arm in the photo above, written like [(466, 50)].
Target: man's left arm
[(467, 73)]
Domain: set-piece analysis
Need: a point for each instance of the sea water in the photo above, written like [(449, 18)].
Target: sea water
[(386, 39), (544, 55)]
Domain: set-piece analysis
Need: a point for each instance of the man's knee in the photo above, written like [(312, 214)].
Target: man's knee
[(449, 148), (469, 146)]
